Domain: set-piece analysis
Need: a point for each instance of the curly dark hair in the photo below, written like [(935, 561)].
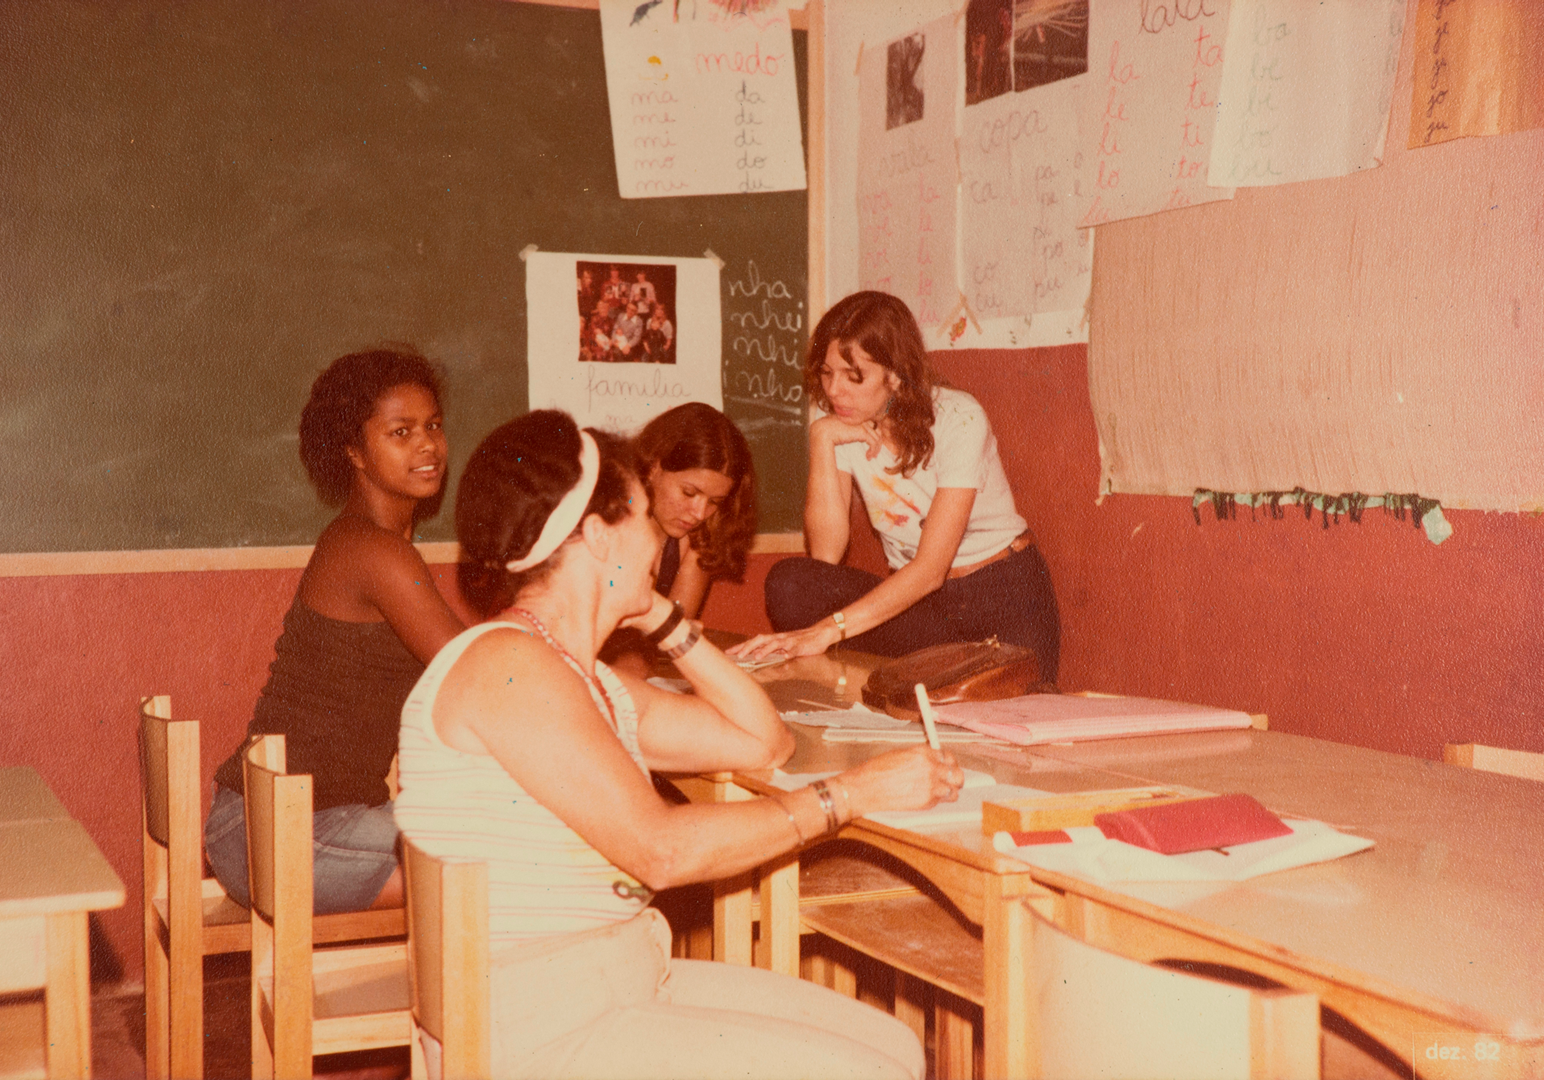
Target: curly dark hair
[(342, 398), (882, 326), (515, 479), (698, 436)]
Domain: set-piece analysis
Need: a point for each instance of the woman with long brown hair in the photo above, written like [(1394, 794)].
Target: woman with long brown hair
[(925, 461), (698, 470)]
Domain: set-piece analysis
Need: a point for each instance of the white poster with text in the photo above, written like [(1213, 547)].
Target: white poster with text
[(1151, 106), (615, 340), (703, 97), (908, 172), (1305, 90)]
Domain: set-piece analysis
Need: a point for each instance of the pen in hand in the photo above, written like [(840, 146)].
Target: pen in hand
[(929, 725)]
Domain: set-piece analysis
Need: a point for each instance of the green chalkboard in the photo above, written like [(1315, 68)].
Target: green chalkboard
[(203, 203)]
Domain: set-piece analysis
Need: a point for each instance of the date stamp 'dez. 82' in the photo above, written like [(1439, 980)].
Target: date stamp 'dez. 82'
[(1456, 1055)]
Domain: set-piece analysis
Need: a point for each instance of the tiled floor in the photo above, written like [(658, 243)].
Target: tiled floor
[(118, 1034)]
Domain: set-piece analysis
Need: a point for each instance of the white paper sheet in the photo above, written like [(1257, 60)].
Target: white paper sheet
[(860, 724), (1150, 106), (703, 97), (1095, 858), (621, 396), (979, 787), (1022, 252), (907, 169), (1305, 90)]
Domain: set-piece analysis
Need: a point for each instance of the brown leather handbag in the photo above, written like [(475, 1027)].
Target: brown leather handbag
[(960, 671)]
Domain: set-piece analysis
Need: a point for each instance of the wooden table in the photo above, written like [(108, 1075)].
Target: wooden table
[(51, 876), (1435, 937)]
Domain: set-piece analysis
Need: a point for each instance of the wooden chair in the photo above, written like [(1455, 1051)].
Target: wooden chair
[(1099, 1014), (306, 1002), (188, 916), (447, 905), (1523, 763)]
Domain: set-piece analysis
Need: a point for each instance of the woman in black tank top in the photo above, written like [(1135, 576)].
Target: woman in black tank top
[(366, 619)]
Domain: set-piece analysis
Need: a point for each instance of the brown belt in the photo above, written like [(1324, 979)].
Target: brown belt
[(1025, 539)]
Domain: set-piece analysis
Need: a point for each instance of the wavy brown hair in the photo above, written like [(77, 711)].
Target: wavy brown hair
[(514, 480), (883, 327), (698, 436)]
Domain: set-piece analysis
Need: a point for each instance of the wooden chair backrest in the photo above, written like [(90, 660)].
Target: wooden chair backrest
[(1100, 1014), (1523, 763), (447, 918), (278, 832), (279, 873), (169, 772)]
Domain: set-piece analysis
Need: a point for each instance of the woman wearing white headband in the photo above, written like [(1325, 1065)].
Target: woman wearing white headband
[(520, 749)]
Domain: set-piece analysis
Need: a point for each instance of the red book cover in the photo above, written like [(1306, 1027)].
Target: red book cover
[(1193, 825)]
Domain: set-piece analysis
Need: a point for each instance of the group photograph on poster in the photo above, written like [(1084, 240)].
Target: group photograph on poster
[(639, 336), (625, 312)]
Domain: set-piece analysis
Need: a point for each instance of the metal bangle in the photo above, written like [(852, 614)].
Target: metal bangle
[(827, 804), (791, 819), (846, 799), (692, 637)]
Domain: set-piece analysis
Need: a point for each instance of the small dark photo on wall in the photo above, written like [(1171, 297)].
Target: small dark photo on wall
[(1050, 41), (626, 312), (988, 49), (903, 81)]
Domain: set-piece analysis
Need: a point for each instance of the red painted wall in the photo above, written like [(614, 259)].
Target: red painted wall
[(1365, 634), (1362, 633)]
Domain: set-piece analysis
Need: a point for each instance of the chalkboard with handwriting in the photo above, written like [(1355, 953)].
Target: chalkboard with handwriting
[(206, 203)]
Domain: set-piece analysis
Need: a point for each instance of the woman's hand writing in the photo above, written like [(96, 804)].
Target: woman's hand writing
[(910, 779)]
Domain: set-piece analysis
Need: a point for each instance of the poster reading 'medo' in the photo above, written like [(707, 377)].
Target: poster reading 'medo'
[(703, 97)]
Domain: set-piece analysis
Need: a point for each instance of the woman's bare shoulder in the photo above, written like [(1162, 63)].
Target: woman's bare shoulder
[(355, 546)]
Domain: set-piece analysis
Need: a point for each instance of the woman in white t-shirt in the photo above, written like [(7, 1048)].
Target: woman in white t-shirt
[(924, 459)]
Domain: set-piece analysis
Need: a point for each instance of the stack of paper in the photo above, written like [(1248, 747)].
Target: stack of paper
[(859, 724), (1088, 854), (1048, 718)]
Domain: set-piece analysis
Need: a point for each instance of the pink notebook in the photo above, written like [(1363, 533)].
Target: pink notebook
[(1193, 825), (1045, 718)]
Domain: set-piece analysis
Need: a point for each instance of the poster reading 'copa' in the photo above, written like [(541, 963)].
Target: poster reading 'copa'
[(615, 340)]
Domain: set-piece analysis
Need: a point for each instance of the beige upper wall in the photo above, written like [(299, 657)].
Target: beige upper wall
[(1375, 332)]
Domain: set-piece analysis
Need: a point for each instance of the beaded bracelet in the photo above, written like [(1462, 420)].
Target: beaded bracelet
[(827, 803)]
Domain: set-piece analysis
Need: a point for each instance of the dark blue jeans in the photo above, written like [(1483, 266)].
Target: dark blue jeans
[(1011, 599)]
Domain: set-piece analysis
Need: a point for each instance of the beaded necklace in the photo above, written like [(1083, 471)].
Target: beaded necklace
[(593, 683)]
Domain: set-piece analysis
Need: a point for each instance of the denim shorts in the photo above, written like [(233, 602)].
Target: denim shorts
[(354, 848)]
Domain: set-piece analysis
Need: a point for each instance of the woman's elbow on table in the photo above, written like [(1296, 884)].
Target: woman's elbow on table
[(781, 749)]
